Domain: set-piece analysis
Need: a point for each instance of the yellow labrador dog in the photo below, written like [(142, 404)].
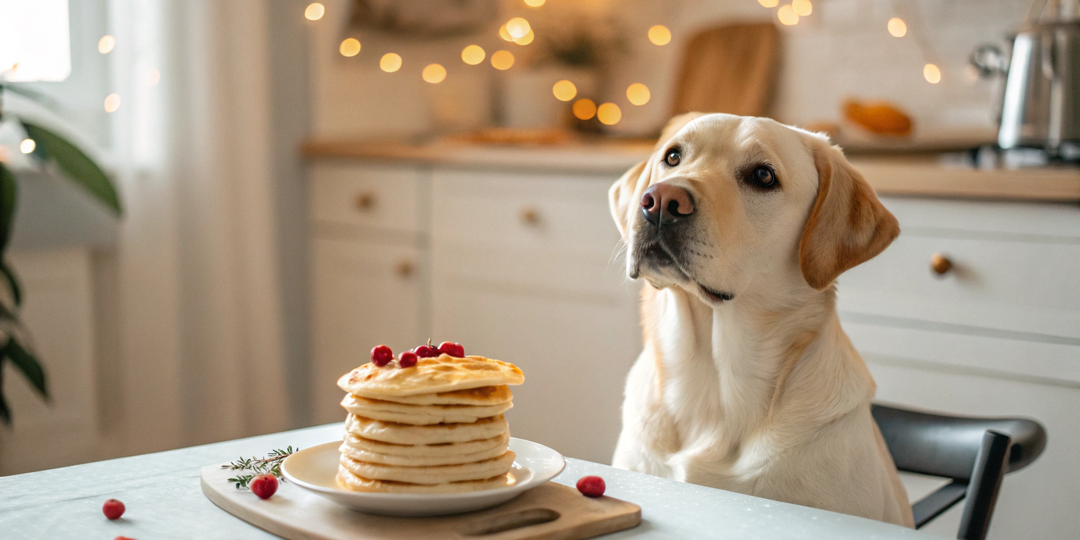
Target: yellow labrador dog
[(747, 382)]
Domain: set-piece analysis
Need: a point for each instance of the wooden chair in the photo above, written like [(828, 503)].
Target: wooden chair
[(975, 453)]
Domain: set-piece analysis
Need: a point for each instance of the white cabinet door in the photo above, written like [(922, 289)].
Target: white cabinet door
[(523, 271), (364, 294)]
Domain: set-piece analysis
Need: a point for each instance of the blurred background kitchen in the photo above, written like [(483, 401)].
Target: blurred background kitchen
[(285, 184)]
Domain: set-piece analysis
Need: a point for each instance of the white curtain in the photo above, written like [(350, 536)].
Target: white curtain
[(198, 314)]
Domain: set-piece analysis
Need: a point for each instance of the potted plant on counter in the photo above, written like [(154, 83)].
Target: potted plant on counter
[(51, 151)]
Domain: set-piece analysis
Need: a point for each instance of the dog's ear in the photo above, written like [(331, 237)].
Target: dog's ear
[(848, 224), (625, 193)]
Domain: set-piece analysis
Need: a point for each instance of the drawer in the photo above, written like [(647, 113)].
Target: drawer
[(547, 235), (1020, 286), (545, 212), (376, 196)]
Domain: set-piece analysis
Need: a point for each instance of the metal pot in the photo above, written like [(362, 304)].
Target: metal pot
[(1040, 106)]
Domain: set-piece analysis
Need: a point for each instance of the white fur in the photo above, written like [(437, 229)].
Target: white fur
[(708, 400)]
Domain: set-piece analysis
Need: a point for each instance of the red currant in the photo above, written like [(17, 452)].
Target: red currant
[(426, 351), (591, 486), (381, 355), (123, 538), (113, 509), (452, 349), (264, 485), (408, 359)]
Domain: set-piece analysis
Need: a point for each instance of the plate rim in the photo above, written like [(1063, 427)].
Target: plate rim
[(535, 481)]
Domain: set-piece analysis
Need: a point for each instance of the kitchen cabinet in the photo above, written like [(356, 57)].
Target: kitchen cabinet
[(522, 263)]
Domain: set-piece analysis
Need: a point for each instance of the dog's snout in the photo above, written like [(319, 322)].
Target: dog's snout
[(664, 203)]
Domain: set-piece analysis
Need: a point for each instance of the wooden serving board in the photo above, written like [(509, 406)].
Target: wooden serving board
[(551, 511)]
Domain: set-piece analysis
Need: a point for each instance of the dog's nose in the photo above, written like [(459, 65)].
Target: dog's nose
[(663, 203)]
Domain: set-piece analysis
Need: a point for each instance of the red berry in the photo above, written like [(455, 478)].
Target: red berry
[(123, 538), (425, 351), (591, 486), (113, 509), (452, 349), (264, 485), (381, 355), (408, 359)]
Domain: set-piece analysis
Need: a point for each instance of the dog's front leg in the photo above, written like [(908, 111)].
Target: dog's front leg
[(648, 434)]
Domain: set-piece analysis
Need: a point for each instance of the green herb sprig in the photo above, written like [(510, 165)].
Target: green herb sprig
[(271, 464)]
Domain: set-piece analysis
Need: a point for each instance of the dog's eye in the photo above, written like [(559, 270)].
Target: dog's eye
[(762, 177), (672, 157)]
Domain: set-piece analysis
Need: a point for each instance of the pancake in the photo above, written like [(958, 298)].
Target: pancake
[(484, 395), (396, 433), (430, 376), (426, 450), (447, 458), (439, 474), (420, 414), (350, 481)]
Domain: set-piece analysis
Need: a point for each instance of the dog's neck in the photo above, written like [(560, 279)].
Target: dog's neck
[(734, 365)]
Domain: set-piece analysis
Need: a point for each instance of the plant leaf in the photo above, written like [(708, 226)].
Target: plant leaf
[(78, 166), (28, 365), (39, 97), (13, 282), (5, 413), (9, 192)]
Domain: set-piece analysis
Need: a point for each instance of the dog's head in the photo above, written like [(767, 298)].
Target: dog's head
[(729, 206)]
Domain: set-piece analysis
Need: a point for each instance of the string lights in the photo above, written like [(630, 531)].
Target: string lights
[(789, 15), (112, 102), (106, 44), (517, 30)]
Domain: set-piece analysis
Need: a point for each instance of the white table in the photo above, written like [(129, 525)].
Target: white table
[(163, 499)]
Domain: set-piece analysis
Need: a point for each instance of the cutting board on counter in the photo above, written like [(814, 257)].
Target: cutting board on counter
[(551, 511), (729, 69)]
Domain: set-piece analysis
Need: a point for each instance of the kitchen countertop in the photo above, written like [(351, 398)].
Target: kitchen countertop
[(164, 500), (917, 175)]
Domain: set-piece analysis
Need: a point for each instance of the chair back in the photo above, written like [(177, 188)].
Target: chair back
[(975, 453)]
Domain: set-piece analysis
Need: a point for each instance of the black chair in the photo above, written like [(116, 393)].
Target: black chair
[(974, 452)]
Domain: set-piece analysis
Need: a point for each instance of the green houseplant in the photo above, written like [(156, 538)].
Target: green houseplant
[(52, 151)]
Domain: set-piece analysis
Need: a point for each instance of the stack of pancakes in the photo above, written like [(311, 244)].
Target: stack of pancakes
[(433, 428)]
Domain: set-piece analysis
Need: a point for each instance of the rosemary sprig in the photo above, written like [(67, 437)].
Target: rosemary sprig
[(271, 464)]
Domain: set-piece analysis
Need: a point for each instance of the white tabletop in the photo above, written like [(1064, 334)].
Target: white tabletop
[(163, 499)]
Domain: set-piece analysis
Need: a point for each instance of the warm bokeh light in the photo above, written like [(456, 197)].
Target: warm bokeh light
[(897, 27), (787, 16), (27, 146), (502, 60), (584, 109), (390, 62), (152, 77), (106, 44), (931, 73), (534, 3), (517, 27), (609, 114), (564, 90), (473, 55), (504, 34), (769, 3), (350, 47), (314, 11), (112, 102), (803, 8), (659, 35), (526, 39), (434, 73), (638, 94)]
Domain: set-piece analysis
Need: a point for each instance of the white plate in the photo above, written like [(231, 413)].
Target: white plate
[(316, 468)]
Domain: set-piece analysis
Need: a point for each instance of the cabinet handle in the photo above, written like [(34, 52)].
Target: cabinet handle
[(940, 264), (404, 268), (364, 201), (530, 216)]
